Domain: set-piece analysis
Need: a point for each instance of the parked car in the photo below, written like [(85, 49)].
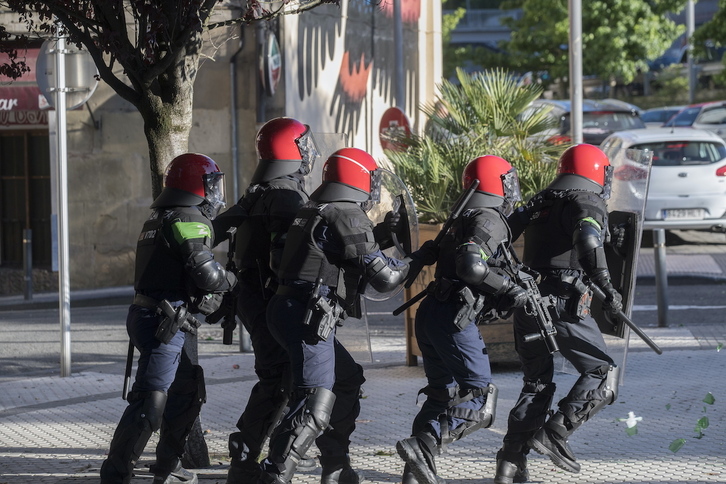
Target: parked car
[(687, 187), (710, 116), (599, 119), (656, 117)]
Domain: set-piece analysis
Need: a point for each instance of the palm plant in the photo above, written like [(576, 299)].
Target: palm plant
[(485, 114)]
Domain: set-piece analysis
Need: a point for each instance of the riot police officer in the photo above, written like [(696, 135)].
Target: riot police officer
[(469, 281), (332, 252), (566, 227), (286, 152), (176, 275)]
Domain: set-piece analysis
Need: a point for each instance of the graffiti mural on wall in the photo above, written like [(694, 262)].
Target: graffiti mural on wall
[(346, 59)]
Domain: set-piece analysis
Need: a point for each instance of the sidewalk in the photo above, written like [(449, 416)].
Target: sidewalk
[(56, 430)]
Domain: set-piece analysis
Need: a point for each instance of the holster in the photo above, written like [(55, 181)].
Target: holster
[(578, 296), (173, 321), (471, 305), (322, 316)]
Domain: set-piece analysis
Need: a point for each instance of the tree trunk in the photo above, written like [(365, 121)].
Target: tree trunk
[(166, 109)]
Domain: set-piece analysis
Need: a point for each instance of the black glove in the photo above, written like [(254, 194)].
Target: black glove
[(207, 304), (513, 296), (225, 307), (618, 238), (613, 302), (427, 255), (393, 222), (382, 232)]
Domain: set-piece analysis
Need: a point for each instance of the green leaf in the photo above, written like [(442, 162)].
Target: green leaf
[(631, 430), (668, 406), (676, 445), (709, 399), (702, 423), (718, 348)]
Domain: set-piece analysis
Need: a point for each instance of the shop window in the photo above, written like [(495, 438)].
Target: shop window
[(25, 196)]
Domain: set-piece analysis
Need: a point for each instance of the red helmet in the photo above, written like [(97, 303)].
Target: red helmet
[(586, 161), (193, 179), (498, 181), (284, 146), (349, 175)]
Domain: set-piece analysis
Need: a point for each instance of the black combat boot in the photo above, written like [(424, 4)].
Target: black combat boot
[(178, 476), (551, 440), (511, 467), (337, 470), (418, 453), (243, 471), (409, 478)]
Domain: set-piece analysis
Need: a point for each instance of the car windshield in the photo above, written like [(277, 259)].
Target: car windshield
[(685, 117), (678, 153), (658, 116), (607, 121)]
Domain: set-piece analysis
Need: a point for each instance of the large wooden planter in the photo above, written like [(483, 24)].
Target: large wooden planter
[(499, 336)]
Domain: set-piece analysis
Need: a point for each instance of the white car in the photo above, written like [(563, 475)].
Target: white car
[(687, 188)]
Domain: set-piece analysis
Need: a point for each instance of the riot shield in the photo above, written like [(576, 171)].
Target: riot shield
[(355, 336), (626, 208), (395, 197)]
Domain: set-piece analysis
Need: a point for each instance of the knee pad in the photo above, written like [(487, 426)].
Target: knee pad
[(605, 394), (473, 419), (314, 418)]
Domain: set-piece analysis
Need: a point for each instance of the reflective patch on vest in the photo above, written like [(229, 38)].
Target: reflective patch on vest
[(190, 230)]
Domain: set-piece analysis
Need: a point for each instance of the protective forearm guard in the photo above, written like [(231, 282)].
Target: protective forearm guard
[(384, 278)]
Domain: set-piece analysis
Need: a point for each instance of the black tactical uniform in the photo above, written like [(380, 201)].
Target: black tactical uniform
[(471, 282), (263, 216), (330, 254), (565, 230), (174, 264)]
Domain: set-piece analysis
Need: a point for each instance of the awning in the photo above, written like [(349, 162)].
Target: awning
[(22, 98)]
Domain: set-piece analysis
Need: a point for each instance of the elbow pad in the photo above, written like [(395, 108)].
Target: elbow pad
[(211, 276), (471, 267), (588, 244), (383, 278)]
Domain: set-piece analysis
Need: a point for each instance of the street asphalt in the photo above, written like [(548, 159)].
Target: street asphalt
[(57, 429)]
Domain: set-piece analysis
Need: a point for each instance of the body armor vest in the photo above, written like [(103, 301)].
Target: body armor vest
[(270, 209), (486, 227), (159, 263), (345, 233), (553, 216)]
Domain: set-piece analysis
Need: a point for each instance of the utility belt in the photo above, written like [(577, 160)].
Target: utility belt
[(322, 315), (173, 319), (446, 290), (571, 288)]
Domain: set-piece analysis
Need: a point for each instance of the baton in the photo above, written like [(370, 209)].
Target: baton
[(127, 375), (621, 315), (409, 303)]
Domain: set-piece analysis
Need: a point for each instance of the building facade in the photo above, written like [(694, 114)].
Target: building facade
[(333, 68)]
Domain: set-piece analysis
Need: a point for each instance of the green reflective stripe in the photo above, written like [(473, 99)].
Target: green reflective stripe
[(190, 230), (482, 254), (592, 221)]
